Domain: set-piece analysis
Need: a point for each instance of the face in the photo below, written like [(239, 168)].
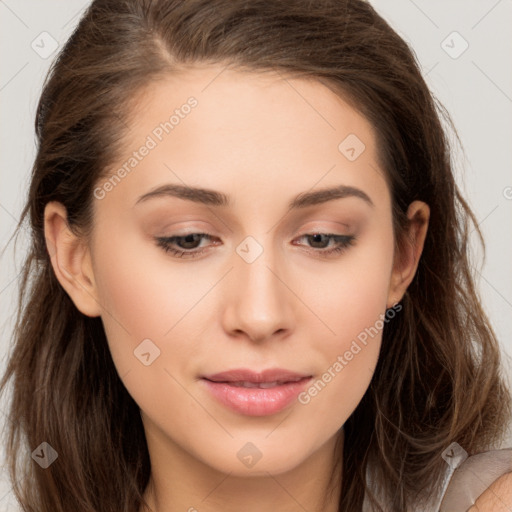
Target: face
[(258, 271)]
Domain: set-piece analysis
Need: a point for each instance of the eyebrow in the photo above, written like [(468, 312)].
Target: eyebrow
[(214, 198)]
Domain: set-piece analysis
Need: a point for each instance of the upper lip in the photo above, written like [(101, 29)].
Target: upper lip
[(246, 375)]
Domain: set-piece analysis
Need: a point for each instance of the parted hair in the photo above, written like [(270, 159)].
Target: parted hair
[(439, 378)]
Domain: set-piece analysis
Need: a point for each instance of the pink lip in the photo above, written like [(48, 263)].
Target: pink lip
[(256, 401), (245, 374)]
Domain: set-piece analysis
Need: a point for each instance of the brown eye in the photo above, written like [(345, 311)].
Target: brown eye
[(182, 245)]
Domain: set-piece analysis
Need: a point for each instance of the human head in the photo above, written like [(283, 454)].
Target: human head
[(82, 137)]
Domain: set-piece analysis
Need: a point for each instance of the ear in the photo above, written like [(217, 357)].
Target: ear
[(71, 261), (407, 258)]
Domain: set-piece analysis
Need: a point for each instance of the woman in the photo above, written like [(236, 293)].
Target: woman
[(249, 281)]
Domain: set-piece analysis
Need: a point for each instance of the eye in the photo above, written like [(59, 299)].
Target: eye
[(185, 246), (341, 242), (189, 243)]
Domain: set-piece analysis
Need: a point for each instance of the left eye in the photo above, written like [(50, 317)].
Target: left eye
[(188, 243), (341, 242)]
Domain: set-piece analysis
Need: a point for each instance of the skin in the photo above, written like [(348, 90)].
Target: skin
[(261, 139), (498, 498)]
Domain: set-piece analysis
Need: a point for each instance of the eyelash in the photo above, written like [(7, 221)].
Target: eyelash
[(344, 242)]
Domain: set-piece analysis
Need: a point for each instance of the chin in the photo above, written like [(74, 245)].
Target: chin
[(246, 459)]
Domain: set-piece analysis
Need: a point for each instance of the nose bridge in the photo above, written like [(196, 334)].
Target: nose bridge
[(260, 302)]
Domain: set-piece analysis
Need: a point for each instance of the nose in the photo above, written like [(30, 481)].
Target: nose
[(259, 299)]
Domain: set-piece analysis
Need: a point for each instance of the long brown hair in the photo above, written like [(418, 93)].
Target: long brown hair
[(438, 378)]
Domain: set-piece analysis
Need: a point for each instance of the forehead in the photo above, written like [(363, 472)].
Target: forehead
[(264, 104), (219, 127)]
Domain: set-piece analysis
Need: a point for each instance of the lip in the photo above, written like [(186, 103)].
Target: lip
[(248, 375), (256, 401)]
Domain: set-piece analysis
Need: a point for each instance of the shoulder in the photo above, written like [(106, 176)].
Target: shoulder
[(482, 483), (497, 498)]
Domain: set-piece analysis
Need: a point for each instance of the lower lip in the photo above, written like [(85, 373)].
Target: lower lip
[(256, 401)]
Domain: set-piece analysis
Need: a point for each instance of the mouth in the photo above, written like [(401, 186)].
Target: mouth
[(256, 394), (260, 385)]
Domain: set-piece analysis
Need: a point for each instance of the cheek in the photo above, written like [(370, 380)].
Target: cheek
[(351, 294), (353, 303), (141, 299), (145, 306), (147, 298)]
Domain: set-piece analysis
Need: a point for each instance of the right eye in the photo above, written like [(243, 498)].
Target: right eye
[(190, 240)]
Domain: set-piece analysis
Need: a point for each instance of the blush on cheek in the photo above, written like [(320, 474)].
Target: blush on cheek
[(141, 303)]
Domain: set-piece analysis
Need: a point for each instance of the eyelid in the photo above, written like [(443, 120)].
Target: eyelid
[(341, 244), (323, 226)]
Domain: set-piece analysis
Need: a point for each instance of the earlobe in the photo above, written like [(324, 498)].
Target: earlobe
[(71, 261), (406, 261)]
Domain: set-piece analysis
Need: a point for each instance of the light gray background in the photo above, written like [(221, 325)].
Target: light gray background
[(475, 86)]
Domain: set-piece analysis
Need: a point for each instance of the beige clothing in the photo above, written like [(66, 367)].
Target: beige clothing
[(466, 479)]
